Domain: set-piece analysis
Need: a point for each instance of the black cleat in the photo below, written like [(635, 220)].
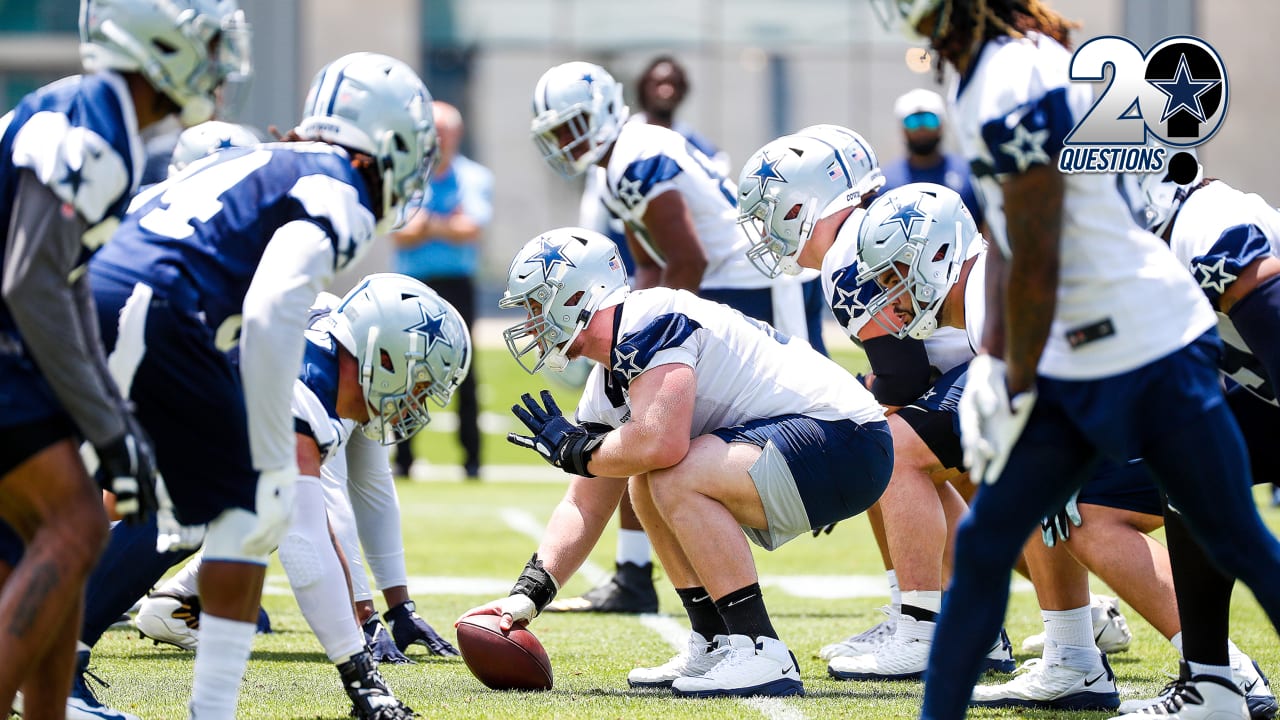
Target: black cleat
[(371, 699), (630, 590)]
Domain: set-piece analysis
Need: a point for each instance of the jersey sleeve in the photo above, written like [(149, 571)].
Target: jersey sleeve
[(644, 179), (1025, 110), (668, 338), (79, 165), (310, 418), (335, 206), (1235, 249)]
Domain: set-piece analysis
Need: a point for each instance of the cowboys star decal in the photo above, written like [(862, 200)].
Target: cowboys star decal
[(768, 171), (1184, 91), (1027, 147), (430, 327), (906, 216), (1214, 276), (625, 363), (549, 255)]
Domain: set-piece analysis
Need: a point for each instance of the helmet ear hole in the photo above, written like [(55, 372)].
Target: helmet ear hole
[(384, 359), (574, 299), (163, 47), (793, 213), (401, 145)]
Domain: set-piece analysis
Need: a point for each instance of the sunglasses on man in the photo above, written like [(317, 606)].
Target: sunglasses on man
[(921, 121)]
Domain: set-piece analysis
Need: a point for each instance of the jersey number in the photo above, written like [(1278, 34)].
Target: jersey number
[(197, 197)]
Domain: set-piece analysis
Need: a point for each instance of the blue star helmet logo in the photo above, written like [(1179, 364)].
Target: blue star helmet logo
[(906, 216), (431, 327), (224, 143), (549, 255), (586, 77), (768, 171), (1183, 91)]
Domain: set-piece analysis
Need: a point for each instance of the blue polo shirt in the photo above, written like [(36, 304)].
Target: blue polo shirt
[(467, 185), (951, 172)]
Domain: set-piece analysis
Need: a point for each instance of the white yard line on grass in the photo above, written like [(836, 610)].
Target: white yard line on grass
[(674, 633)]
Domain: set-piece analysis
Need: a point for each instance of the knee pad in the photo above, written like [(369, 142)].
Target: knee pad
[(301, 560), (225, 535)]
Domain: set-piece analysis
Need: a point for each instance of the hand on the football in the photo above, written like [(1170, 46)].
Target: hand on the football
[(127, 468), (380, 644), (273, 504), (558, 441), (408, 628), (1057, 527), (990, 421), (515, 610)]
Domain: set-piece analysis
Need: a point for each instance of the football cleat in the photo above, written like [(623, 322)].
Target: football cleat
[(903, 656), (1110, 629), (698, 658), (83, 704), (866, 641), (764, 667), (630, 590), (1248, 677), (169, 618), (371, 699), (1086, 684), (1000, 657), (1202, 697)]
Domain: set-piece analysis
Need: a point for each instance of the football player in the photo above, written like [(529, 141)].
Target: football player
[(429, 353), (722, 425), (1230, 240), (1105, 349), (228, 254), (678, 210), (70, 158)]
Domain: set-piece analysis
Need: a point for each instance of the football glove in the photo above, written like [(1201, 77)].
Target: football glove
[(380, 644), (127, 468), (273, 505), (558, 441), (990, 421), (408, 628), (515, 610), (1058, 526), (170, 534)]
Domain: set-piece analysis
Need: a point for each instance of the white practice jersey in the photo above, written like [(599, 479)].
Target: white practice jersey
[(1218, 232), (745, 370), (647, 161), (946, 347), (1123, 299)]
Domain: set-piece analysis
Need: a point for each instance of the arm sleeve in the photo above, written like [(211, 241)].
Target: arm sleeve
[(901, 368), (377, 510), (297, 263), (55, 313), (337, 503)]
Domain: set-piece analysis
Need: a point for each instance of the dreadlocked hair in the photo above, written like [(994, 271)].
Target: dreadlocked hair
[(964, 25), (363, 162)]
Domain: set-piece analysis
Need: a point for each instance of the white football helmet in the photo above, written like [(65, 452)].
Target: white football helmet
[(410, 344), (794, 181), (912, 242), (206, 139), (1161, 196), (185, 48), (560, 279), (904, 14), (377, 105), (587, 101)]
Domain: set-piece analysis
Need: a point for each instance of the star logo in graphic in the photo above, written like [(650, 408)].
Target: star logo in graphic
[(74, 178), (586, 78), (1214, 276), (1026, 147), (629, 192), (625, 363), (1183, 92), (906, 216), (847, 301), (767, 172), (549, 255), (430, 327)]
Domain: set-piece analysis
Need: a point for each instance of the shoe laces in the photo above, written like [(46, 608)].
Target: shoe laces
[(880, 629), (731, 657)]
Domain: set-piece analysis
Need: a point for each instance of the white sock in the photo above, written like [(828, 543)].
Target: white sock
[(895, 595), (184, 582), (221, 659), (1068, 627), (930, 600), (1176, 642), (1222, 671), (633, 547)]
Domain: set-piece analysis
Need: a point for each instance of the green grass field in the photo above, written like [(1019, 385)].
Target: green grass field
[(466, 544)]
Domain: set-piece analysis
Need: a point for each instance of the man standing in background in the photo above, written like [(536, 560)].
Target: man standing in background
[(921, 113), (439, 245)]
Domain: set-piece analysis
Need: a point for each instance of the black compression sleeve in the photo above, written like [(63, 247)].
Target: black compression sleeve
[(901, 368)]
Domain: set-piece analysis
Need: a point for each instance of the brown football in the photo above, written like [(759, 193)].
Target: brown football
[(512, 660)]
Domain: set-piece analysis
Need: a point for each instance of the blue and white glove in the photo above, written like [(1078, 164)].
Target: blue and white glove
[(273, 505), (990, 421), (408, 628), (127, 468), (1058, 526), (558, 441), (381, 646)]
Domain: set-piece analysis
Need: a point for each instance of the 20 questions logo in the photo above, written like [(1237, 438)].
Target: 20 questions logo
[(1176, 93)]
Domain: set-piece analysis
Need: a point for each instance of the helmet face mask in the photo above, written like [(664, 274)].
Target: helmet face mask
[(1163, 196), (577, 115), (410, 346), (912, 243), (559, 279), (794, 181), (186, 49), (376, 105)]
